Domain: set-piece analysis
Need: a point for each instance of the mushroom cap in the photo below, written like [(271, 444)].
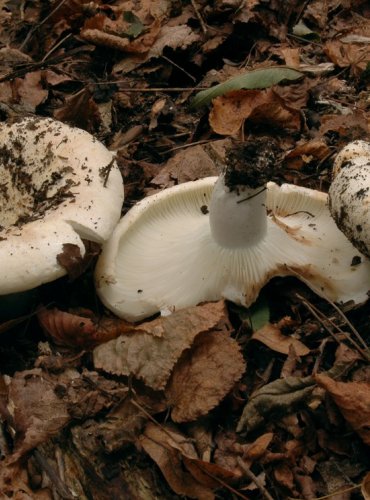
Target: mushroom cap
[(162, 256), (349, 194), (58, 185)]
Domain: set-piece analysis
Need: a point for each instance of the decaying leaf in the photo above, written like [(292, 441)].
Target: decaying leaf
[(271, 336), (204, 375), (166, 446), (34, 411), (353, 400), (229, 450), (278, 398), (262, 106), (151, 353)]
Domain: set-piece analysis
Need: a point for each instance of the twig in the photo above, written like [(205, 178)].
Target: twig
[(179, 67), (254, 478), (322, 319), (32, 31), (200, 19)]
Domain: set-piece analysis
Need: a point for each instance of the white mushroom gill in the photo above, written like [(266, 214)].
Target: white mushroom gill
[(58, 185), (169, 252)]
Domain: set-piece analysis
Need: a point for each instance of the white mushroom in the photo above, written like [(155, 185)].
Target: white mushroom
[(349, 194), (58, 185), (201, 241)]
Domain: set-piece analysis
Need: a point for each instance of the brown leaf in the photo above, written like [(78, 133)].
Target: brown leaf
[(14, 484), (166, 446), (73, 330), (229, 450), (350, 127), (262, 106), (365, 487), (348, 54), (35, 411), (284, 476), (80, 110), (204, 375), (302, 154), (353, 400), (73, 262), (271, 336), (189, 164), (153, 350)]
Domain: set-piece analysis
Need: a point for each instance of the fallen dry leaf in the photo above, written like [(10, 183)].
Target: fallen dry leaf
[(166, 446), (348, 54), (303, 154), (14, 484), (75, 330), (273, 400), (365, 487), (229, 111), (151, 353), (353, 400), (229, 449), (204, 375), (284, 476), (271, 336), (351, 127), (34, 411), (189, 164)]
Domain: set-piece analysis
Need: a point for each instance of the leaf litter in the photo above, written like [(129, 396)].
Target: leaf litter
[(227, 402)]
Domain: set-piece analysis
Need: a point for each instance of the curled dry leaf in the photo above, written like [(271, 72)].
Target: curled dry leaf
[(204, 375), (152, 352), (263, 106), (278, 398), (73, 330), (166, 446), (353, 400), (271, 336)]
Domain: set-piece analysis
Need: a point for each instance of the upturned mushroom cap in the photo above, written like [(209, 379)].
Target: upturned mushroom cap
[(165, 254), (349, 194), (58, 185)]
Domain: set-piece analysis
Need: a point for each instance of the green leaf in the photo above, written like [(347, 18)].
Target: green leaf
[(257, 79), (136, 26), (303, 31)]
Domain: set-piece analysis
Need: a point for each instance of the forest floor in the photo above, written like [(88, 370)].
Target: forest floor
[(270, 402)]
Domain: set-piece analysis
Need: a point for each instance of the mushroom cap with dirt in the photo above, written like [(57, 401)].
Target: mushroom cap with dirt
[(349, 194), (58, 185), (203, 240)]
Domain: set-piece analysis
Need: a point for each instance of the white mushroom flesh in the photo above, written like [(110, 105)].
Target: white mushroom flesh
[(58, 185), (349, 194), (163, 255)]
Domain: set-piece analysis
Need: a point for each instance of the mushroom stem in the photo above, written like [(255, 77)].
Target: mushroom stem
[(237, 216)]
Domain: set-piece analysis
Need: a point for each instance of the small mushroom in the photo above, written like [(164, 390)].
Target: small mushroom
[(349, 194), (202, 240), (58, 186)]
